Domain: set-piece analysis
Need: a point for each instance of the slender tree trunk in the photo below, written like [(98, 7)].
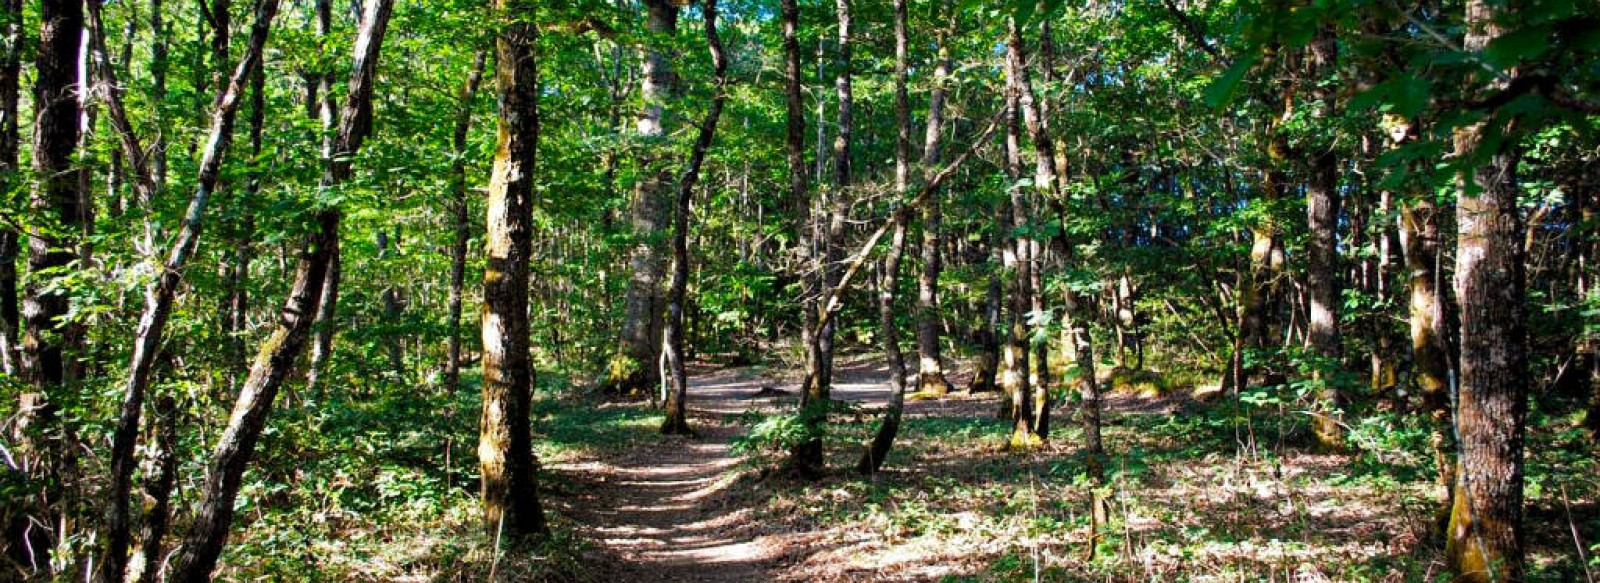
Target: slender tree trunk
[(1014, 369), (807, 457), (10, 141), (317, 256), (327, 111), (160, 295), (462, 227), (794, 148), (930, 378), (1589, 291), (677, 418), (161, 475), (633, 369), (883, 440), (1485, 540), (1322, 274), (509, 483)]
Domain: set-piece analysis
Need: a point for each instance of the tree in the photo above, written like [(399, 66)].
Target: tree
[(317, 256), (1485, 541), (509, 483), (930, 376), (159, 296), (462, 227), (634, 370), (676, 421)]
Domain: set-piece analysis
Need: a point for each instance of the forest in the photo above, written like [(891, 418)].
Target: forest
[(799, 290)]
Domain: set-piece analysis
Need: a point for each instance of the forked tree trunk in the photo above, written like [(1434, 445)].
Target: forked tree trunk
[(160, 295), (198, 556), (807, 457), (509, 481), (1485, 541), (677, 418)]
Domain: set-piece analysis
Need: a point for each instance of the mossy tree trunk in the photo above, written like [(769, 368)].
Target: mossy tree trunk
[(509, 483), (1485, 538)]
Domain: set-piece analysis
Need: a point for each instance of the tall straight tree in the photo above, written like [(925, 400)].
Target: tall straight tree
[(888, 280), (799, 195), (676, 421), (807, 456), (1485, 540), (10, 142), (55, 202), (509, 482), (198, 556), (462, 227), (1322, 220), (930, 375), (635, 369), (57, 212)]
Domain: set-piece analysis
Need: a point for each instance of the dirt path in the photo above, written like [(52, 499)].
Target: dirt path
[(675, 510), (665, 508)]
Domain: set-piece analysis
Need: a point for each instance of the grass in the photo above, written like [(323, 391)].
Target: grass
[(1184, 506)]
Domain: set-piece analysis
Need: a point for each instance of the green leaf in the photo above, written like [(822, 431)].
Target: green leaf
[(1517, 46), (1223, 89)]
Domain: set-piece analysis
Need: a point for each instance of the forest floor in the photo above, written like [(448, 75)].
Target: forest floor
[(1187, 502)]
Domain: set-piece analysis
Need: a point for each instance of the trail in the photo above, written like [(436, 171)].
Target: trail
[(665, 507), (674, 510)]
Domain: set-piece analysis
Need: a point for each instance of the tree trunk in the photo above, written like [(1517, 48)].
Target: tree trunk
[(160, 295), (1485, 534), (633, 370), (807, 457), (1014, 372), (462, 227), (677, 418), (794, 146), (1430, 353), (317, 257), (326, 110), (930, 378), (883, 440), (509, 483), (57, 208), (10, 142), (1322, 273)]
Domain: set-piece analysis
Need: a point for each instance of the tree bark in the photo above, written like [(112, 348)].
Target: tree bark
[(677, 421), (509, 480), (1485, 541), (883, 439), (633, 369), (57, 206), (794, 147), (1430, 352), (326, 110), (159, 296), (1322, 273), (10, 142), (317, 257), (462, 227), (931, 378)]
